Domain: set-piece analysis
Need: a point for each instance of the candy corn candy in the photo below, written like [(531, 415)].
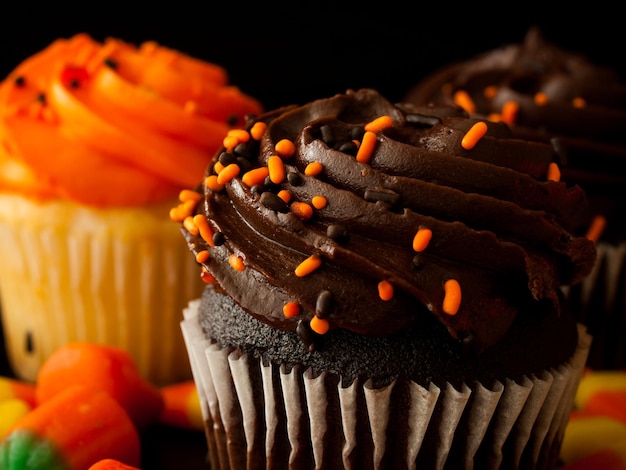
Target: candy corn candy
[(603, 393), (106, 368), (12, 388), (72, 430), (11, 409), (182, 406), (604, 459), (587, 434), (111, 464)]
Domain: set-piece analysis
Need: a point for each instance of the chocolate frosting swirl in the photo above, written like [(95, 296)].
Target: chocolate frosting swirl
[(499, 228), (559, 96)]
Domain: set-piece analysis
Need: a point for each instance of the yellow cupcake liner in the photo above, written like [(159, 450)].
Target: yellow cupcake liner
[(256, 412), (112, 276)]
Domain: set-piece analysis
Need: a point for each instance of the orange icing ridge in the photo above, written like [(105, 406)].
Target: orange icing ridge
[(113, 124)]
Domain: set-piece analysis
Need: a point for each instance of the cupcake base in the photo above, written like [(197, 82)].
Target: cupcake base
[(113, 276), (261, 415)]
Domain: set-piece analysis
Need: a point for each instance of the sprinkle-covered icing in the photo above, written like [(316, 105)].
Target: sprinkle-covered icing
[(549, 94), (420, 223)]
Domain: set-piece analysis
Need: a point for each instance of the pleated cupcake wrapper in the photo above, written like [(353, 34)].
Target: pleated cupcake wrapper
[(118, 277), (262, 416), (599, 302)]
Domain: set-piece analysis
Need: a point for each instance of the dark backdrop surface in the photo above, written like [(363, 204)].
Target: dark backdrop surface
[(285, 56)]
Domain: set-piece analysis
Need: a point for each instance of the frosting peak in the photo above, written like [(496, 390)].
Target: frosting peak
[(385, 213)]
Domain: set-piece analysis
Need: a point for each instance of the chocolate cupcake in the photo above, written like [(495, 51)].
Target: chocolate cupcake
[(549, 94), (384, 290)]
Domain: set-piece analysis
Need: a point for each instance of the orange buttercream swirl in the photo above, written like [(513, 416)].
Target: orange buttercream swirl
[(111, 123)]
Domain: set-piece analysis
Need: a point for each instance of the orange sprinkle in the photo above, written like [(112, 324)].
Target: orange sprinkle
[(490, 91), (236, 262), (206, 232), (596, 228), (257, 130), (228, 173), (319, 202), (540, 98), (452, 298), (230, 142), (241, 135), (319, 325), (422, 239), (308, 266), (476, 132), (189, 195), (291, 309), (285, 148), (509, 112), (284, 195), (301, 210), (212, 183), (385, 290), (313, 169), (579, 102), (464, 100), (206, 276), (554, 173), (218, 167), (184, 209), (379, 124), (255, 176), (202, 256), (190, 226), (366, 149), (175, 215), (276, 169), (494, 117)]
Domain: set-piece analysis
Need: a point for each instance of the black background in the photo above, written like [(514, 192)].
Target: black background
[(284, 56), (312, 50)]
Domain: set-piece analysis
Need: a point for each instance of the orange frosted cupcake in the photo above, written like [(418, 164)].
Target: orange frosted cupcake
[(96, 141)]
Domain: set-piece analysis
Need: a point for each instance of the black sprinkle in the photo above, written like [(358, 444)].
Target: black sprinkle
[(422, 120), (218, 238), (357, 133), (306, 335), (324, 304), (386, 195), (28, 343), (226, 158), (74, 83), (348, 147), (19, 81), (257, 189), (417, 262), (328, 136), (272, 201), (41, 97), (243, 150), (111, 63), (244, 164), (338, 232), (295, 178), (232, 120)]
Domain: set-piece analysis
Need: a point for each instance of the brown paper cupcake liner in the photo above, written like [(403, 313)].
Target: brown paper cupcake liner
[(263, 416)]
